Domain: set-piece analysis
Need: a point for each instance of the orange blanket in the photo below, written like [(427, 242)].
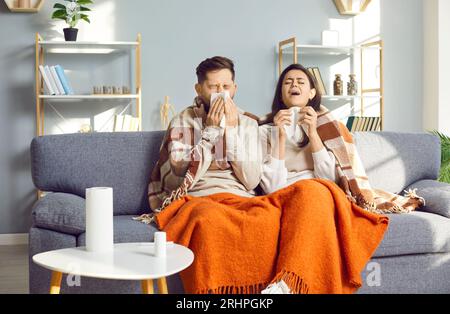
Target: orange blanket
[(308, 234)]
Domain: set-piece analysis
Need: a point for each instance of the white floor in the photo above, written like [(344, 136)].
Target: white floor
[(14, 269)]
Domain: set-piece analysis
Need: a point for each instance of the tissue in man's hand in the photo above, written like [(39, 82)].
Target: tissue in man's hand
[(293, 132), (214, 96)]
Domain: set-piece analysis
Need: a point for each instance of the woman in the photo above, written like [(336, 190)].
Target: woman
[(287, 160)]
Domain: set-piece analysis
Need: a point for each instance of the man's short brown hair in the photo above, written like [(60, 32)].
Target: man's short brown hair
[(214, 64)]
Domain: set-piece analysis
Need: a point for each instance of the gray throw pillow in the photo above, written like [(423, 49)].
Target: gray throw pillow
[(60, 212), (436, 195)]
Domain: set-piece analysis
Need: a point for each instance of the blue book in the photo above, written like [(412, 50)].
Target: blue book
[(63, 79)]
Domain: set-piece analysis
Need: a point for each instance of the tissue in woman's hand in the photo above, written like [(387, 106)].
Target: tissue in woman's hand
[(225, 95), (293, 132)]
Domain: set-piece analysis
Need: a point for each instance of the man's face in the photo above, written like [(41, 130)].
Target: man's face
[(216, 82)]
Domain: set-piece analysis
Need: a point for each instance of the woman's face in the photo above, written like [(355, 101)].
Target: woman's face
[(296, 90)]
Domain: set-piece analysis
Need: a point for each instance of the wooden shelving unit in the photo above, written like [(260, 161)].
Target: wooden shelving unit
[(290, 47), (43, 47), (36, 6)]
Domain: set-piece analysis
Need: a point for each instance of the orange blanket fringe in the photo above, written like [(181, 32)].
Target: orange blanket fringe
[(308, 234)]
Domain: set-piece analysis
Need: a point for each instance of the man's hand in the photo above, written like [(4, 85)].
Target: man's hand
[(231, 113), (216, 113)]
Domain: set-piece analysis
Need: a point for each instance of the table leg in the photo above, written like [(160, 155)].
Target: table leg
[(162, 286), (55, 284), (147, 286)]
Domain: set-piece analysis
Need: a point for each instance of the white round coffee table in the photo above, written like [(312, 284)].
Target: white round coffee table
[(128, 261)]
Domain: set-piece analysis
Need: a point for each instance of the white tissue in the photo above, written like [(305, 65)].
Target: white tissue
[(99, 220), (160, 244), (294, 133), (225, 95)]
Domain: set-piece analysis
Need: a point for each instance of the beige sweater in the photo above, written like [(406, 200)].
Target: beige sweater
[(299, 163), (235, 162)]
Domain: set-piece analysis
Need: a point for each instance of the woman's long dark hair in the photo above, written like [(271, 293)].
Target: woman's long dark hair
[(278, 104)]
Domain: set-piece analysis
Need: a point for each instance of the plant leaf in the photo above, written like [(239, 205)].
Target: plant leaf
[(445, 156), (83, 2), (84, 9), (59, 6), (59, 14)]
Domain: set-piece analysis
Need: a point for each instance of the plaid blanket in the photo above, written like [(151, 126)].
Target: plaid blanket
[(184, 158), (352, 176)]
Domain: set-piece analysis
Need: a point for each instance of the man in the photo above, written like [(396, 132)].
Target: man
[(209, 147)]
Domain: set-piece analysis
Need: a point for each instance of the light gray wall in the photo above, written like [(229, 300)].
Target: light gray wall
[(177, 35), (402, 32)]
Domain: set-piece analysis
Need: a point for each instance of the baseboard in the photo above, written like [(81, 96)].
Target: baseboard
[(14, 239)]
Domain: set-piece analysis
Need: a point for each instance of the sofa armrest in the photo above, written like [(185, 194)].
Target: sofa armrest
[(60, 212), (436, 195)]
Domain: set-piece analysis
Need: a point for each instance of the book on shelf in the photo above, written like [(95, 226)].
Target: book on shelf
[(125, 123), (350, 122), (55, 80), (47, 86), (319, 80), (363, 124), (63, 79), (51, 79)]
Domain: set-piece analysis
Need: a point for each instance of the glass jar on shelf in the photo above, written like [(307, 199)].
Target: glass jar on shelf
[(338, 86), (352, 85)]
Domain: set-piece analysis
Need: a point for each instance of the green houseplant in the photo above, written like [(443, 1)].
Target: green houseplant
[(445, 149), (72, 13)]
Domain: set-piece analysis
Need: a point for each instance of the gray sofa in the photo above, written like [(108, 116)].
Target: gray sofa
[(414, 256)]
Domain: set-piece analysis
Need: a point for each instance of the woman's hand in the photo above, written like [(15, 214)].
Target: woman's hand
[(308, 117), (282, 118)]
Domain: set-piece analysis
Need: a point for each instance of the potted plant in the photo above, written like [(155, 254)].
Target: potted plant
[(445, 146), (72, 13)]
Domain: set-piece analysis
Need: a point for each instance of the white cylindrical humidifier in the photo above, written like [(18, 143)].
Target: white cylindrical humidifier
[(99, 219)]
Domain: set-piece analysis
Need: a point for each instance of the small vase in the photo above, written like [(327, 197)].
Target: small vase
[(70, 34), (352, 86), (338, 86)]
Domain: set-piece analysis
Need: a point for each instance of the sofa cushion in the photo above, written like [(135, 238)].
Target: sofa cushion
[(71, 163), (436, 195), (127, 230), (395, 160), (60, 212), (415, 233)]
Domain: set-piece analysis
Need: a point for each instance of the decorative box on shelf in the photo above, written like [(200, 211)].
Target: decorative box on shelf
[(24, 6)]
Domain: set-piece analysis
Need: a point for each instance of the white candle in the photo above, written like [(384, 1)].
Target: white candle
[(160, 244), (99, 220)]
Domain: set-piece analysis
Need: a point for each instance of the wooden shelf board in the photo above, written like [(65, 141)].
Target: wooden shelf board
[(331, 97), (325, 50), (63, 97)]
